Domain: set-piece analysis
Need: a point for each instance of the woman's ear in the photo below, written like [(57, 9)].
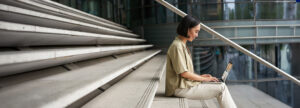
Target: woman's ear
[(188, 33)]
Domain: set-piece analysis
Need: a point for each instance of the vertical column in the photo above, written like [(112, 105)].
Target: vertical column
[(255, 47)]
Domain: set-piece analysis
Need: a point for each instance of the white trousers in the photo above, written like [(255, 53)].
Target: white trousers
[(208, 91)]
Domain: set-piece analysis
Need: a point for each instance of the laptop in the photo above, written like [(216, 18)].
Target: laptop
[(225, 74)]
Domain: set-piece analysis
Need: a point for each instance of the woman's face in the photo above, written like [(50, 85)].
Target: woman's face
[(193, 32)]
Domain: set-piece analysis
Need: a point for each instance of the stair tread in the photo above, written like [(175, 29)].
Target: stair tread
[(135, 90), (31, 35), (21, 15), (62, 89)]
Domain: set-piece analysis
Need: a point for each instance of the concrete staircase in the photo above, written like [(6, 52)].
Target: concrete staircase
[(55, 56)]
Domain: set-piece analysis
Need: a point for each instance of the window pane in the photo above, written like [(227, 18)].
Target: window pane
[(238, 0), (149, 15), (171, 1), (123, 15), (238, 11), (196, 10), (207, 1), (135, 4), (161, 14), (135, 17), (272, 10), (276, 0), (149, 2), (171, 17), (183, 7), (211, 12), (298, 11), (182, 1)]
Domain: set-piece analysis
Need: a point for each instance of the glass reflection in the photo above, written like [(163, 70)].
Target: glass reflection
[(272, 10), (124, 11), (238, 11)]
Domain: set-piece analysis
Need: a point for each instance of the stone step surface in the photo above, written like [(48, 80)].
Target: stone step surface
[(56, 9), (136, 90), (24, 16), (12, 62), (162, 101), (61, 88), (23, 35)]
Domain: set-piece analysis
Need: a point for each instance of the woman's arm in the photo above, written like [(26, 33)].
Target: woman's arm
[(195, 77)]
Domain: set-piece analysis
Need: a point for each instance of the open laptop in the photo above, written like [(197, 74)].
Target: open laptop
[(225, 74)]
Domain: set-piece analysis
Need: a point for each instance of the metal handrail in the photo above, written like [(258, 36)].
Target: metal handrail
[(254, 26), (231, 43), (252, 37), (259, 80)]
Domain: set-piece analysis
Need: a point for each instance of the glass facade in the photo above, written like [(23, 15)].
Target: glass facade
[(245, 69), (133, 13)]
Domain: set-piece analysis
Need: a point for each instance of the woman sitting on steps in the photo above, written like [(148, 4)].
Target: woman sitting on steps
[(181, 81)]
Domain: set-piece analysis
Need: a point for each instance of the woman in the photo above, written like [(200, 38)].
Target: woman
[(181, 81)]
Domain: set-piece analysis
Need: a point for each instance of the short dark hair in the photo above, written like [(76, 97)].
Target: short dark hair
[(186, 23)]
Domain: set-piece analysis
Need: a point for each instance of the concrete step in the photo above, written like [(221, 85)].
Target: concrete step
[(16, 35), (62, 12), (209, 103), (12, 62), (24, 16), (136, 90), (61, 88), (162, 101)]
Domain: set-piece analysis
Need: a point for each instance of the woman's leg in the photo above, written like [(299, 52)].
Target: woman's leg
[(208, 91)]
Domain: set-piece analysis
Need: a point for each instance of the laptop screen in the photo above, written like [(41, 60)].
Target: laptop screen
[(226, 72), (229, 66)]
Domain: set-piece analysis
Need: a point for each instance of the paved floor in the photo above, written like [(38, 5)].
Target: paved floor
[(245, 96)]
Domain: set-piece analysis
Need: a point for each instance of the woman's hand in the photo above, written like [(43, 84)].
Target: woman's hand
[(206, 75), (195, 77), (211, 79)]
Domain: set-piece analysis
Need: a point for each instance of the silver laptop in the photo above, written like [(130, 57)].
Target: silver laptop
[(225, 74)]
